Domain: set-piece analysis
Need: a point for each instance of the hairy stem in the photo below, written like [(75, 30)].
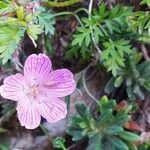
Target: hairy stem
[(46, 133), (144, 51), (82, 9), (61, 4), (69, 13), (90, 7), (73, 14), (84, 83)]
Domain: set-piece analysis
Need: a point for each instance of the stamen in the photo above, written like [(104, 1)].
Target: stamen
[(49, 83)]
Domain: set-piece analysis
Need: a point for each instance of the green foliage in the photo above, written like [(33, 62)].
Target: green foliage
[(140, 22), (34, 30), (81, 53), (46, 21), (118, 81), (20, 13), (105, 131), (59, 143), (101, 23), (146, 2), (3, 147), (135, 76), (105, 28), (6, 7), (114, 31), (11, 34), (144, 146), (113, 56), (48, 45), (82, 37), (12, 29)]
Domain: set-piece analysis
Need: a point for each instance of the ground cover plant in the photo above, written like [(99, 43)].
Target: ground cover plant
[(74, 74)]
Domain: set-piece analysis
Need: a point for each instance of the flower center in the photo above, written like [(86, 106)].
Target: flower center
[(34, 91)]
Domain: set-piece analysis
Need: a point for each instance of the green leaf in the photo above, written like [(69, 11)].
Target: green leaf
[(4, 147), (105, 104), (113, 57), (105, 117), (3, 4), (95, 143), (81, 53), (72, 52), (137, 91), (108, 143), (20, 13), (144, 67), (118, 81), (84, 115), (81, 124), (11, 34), (140, 22), (130, 93), (110, 85), (6, 7), (76, 134), (83, 35), (119, 144), (146, 2), (128, 136), (121, 118), (59, 142), (114, 129), (48, 46), (105, 131), (46, 21), (34, 30), (82, 109), (137, 57), (132, 146)]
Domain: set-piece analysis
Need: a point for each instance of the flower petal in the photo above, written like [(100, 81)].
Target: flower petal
[(28, 114), (13, 87), (60, 83), (53, 110), (37, 68)]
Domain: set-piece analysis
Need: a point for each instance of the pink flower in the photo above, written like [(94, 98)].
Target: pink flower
[(38, 91)]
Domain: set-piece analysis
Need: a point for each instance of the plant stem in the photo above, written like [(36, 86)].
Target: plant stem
[(63, 147), (80, 22), (73, 14), (45, 132), (90, 8), (69, 13), (82, 9), (144, 51), (61, 4), (84, 84), (63, 13)]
